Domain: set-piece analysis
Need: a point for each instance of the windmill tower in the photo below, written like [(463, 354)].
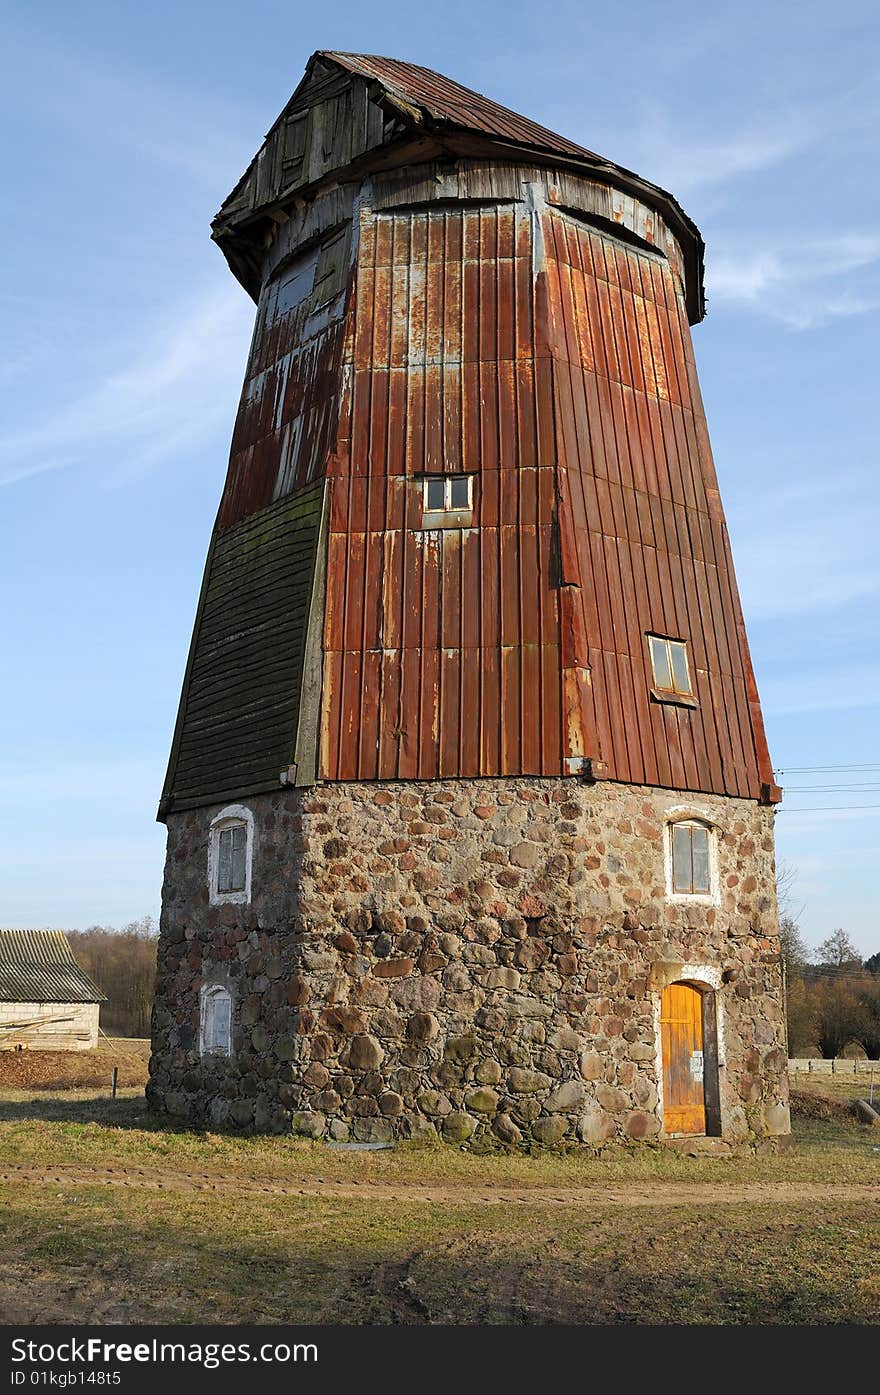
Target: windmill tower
[(469, 805)]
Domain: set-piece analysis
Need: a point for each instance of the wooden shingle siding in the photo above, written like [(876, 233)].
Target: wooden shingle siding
[(239, 712)]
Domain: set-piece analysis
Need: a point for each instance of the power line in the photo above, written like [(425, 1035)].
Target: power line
[(868, 786), (829, 808), (820, 769)]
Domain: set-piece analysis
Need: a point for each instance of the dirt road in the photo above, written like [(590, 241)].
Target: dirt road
[(639, 1193)]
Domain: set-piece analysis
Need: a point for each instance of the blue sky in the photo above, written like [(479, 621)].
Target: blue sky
[(124, 126)]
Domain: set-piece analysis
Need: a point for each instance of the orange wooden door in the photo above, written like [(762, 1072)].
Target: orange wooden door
[(681, 1027)]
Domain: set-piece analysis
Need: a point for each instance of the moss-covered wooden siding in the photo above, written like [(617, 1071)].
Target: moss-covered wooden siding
[(239, 711)]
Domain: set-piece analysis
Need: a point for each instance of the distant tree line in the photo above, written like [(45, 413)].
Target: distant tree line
[(833, 997), (123, 964)]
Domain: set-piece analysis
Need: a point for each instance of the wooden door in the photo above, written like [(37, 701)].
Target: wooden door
[(681, 1027)]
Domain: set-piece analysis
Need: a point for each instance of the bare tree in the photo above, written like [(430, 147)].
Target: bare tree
[(838, 952), (795, 954)]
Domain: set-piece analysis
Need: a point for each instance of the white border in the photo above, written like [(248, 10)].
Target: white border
[(690, 813), (232, 814), (210, 990)]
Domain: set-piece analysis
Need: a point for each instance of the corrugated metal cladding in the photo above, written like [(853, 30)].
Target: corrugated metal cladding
[(239, 711), (37, 966), (559, 371)]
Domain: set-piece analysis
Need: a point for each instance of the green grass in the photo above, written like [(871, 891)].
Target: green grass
[(78, 1128), (75, 1251), (135, 1256)]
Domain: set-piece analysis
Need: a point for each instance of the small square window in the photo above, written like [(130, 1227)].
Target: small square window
[(447, 499), (669, 664), (460, 492), (691, 863)]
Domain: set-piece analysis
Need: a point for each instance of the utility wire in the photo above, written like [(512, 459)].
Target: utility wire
[(828, 808), (820, 769), (832, 789)]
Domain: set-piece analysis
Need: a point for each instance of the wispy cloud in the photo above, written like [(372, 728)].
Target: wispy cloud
[(179, 383), (670, 155), (798, 281)]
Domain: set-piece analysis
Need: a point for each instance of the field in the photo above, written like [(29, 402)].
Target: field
[(108, 1215)]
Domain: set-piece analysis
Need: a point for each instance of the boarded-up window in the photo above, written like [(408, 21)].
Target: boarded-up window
[(691, 861), (230, 854), (215, 1023), (231, 858)]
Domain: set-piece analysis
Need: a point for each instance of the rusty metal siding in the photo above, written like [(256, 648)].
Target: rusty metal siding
[(558, 369), (642, 533), (286, 419), (442, 646)]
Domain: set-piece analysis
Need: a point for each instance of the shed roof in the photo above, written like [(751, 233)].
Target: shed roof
[(37, 966)]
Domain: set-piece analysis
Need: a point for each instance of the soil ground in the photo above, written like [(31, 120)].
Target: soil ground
[(64, 1070), (107, 1214)]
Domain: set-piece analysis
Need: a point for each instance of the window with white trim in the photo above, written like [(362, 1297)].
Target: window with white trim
[(447, 499), (215, 1020), (690, 858), (230, 855)]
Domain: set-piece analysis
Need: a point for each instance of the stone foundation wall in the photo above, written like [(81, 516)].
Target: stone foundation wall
[(473, 958)]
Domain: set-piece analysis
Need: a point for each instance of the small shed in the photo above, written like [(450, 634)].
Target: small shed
[(47, 1002)]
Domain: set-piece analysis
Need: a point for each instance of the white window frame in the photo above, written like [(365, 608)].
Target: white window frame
[(692, 898), (208, 994), (228, 818), (448, 515)]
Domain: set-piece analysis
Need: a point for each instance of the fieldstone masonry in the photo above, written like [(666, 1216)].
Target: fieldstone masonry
[(479, 959)]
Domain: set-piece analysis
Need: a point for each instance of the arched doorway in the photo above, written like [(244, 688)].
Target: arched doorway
[(690, 1060)]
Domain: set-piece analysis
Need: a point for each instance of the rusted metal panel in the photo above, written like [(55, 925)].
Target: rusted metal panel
[(638, 493), (466, 620), (563, 381), (523, 323), (287, 417)]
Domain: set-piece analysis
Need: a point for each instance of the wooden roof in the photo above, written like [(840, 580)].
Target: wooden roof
[(355, 111), (37, 966)]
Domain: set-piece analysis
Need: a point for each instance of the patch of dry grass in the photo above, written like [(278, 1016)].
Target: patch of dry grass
[(92, 1256), (78, 1128)]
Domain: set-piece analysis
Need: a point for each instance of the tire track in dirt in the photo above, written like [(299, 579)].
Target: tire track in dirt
[(465, 1194)]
